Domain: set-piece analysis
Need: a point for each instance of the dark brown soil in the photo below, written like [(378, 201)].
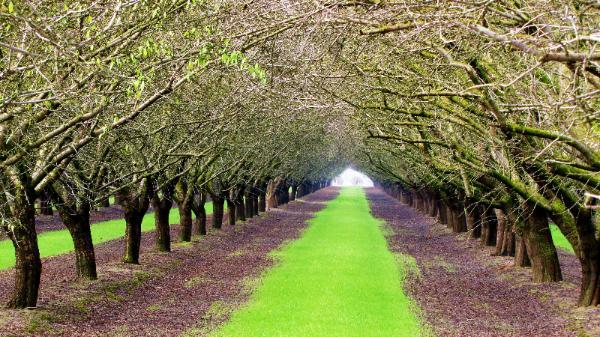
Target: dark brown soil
[(464, 291), (190, 290)]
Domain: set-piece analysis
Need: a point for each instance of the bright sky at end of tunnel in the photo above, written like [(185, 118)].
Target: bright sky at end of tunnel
[(352, 177)]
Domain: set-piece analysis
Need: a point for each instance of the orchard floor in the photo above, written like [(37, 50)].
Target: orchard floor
[(189, 291), (464, 291), (460, 288)]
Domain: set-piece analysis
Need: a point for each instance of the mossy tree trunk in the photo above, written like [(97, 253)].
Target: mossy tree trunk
[(262, 200), (589, 257), (135, 205), (184, 192), (162, 203), (248, 203), (273, 191), (544, 259), (489, 227), (240, 205), (509, 244), (74, 210), (521, 254), (28, 265), (185, 221), (500, 230), (301, 192), (45, 203), (133, 235), (231, 210), (218, 210), (294, 192), (283, 193), (162, 209), (473, 219), (77, 221), (199, 210)]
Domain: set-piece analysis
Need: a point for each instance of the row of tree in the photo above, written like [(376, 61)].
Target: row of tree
[(485, 115), (153, 102)]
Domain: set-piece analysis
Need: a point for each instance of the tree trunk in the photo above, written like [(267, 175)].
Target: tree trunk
[(461, 219), (28, 266), (272, 191), (184, 195), (488, 230), (421, 203), (284, 194), (521, 255), (185, 220), (218, 211), (231, 210), (432, 205), (256, 204), (45, 204), (262, 201), (500, 230), (77, 222), (508, 248), (240, 207), (590, 283), (85, 258), (255, 201), (449, 216), (249, 206), (200, 223), (200, 212), (453, 219), (294, 192), (301, 192), (393, 191), (507, 245), (589, 257), (135, 207), (544, 259), (133, 236), (485, 232), (459, 223), (442, 215), (473, 218), (162, 209)]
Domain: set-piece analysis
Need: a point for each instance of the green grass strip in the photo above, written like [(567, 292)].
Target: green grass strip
[(560, 240), (338, 279), (57, 242)]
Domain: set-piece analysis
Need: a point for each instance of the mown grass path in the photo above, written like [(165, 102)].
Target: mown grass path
[(338, 279), (57, 242)]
